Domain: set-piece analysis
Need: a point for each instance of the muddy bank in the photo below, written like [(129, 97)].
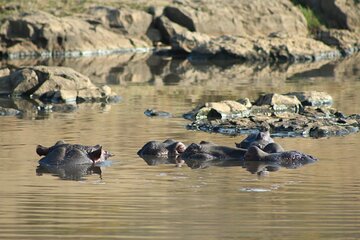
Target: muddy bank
[(248, 31)]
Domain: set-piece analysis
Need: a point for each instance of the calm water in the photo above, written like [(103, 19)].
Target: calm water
[(132, 200)]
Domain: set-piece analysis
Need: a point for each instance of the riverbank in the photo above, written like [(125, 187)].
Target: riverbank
[(246, 32)]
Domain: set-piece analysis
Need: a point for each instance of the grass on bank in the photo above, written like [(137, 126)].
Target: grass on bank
[(62, 8), (314, 21)]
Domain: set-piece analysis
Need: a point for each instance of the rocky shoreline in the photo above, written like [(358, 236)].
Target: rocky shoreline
[(247, 32), (305, 114)]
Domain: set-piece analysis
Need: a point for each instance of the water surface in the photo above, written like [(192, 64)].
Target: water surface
[(131, 200)]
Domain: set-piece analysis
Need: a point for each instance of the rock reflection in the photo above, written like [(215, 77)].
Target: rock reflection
[(26, 108)]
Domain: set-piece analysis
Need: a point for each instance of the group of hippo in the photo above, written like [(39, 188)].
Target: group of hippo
[(257, 149)]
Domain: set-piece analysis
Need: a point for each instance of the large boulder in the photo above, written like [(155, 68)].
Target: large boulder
[(348, 42), (339, 14), (241, 17), (285, 49), (126, 20), (41, 33), (168, 29), (53, 84), (313, 98)]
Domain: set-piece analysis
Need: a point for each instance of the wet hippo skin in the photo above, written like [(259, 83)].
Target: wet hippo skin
[(260, 139), (168, 148), (210, 151), (63, 153), (288, 159)]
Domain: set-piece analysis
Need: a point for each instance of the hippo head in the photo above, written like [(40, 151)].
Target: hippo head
[(168, 148), (198, 151), (260, 139), (287, 159), (98, 154), (72, 152)]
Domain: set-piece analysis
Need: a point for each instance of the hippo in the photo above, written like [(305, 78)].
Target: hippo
[(62, 153), (168, 148), (287, 159), (154, 113), (260, 139), (211, 151), (273, 148)]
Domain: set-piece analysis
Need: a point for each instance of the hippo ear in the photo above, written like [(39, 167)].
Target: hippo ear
[(60, 142), (96, 154), (41, 150), (180, 147), (254, 154)]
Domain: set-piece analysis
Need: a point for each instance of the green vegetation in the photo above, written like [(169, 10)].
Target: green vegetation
[(314, 21)]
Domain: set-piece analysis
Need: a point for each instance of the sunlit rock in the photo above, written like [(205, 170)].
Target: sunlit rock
[(282, 114), (313, 98), (279, 102), (54, 84)]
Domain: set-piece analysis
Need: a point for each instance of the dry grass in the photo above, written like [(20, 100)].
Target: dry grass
[(69, 7)]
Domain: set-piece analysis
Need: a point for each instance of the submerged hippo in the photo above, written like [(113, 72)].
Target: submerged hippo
[(168, 148), (287, 159), (63, 153), (260, 139), (211, 151)]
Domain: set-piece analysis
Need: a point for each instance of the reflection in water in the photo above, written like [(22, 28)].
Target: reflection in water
[(69, 171), (260, 167), (201, 163), (135, 201)]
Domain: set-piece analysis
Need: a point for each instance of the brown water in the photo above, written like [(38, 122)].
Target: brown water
[(135, 201)]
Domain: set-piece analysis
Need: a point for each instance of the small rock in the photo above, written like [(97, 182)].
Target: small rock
[(278, 101), (313, 98), (9, 112)]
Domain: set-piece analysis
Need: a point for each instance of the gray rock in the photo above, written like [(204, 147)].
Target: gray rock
[(279, 102), (219, 110), (126, 20), (337, 14), (54, 84), (313, 98), (168, 29), (282, 115), (241, 17), (42, 34), (9, 111)]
